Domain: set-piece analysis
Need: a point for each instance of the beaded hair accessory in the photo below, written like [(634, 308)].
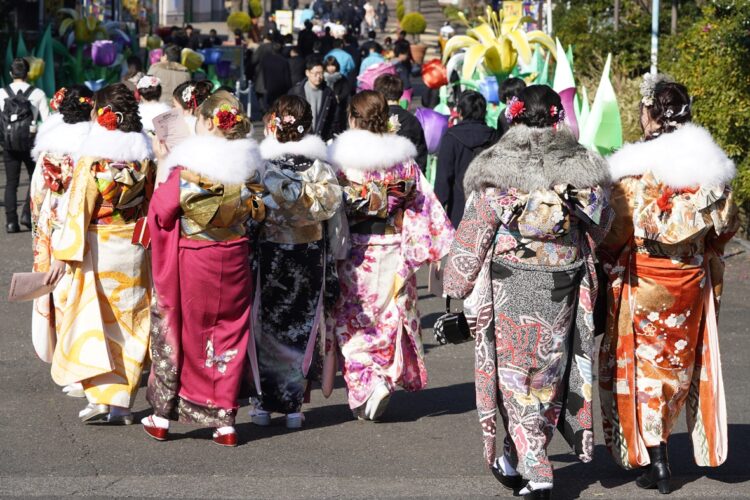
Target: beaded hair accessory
[(148, 81), (226, 116)]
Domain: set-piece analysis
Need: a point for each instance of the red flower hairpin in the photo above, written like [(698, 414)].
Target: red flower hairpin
[(58, 98), (226, 116), (515, 108), (108, 118)]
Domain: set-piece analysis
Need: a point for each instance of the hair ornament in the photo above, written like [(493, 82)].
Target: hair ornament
[(58, 98), (148, 81), (86, 100), (648, 87), (515, 108), (300, 129), (393, 124), (288, 119), (226, 116), (188, 96), (107, 118)]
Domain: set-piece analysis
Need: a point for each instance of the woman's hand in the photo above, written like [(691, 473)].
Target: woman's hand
[(160, 149), (56, 272)]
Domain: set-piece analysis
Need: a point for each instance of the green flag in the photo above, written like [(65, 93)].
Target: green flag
[(21, 50), (603, 129)]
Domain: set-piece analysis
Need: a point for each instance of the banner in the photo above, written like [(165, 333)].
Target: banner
[(285, 21)]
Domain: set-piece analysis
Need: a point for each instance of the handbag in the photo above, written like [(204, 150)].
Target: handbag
[(451, 328)]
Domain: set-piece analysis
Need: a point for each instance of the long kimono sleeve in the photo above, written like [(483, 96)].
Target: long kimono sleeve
[(427, 233), (83, 195), (621, 229), (40, 219), (164, 227), (470, 246), (593, 210)]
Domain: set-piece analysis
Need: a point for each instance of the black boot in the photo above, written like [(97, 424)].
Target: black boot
[(657, 475)]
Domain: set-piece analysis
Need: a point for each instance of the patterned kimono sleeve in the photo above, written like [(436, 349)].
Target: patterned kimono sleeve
[(427, 232), (593, 210), (41, 223), (621, 228), (726, 222), (473, 239), (83, 196), (37, 189)]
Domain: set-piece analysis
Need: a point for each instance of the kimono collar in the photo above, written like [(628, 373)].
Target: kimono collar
[(687, 157), (311, 146), (61, 139), (531, 159), (116, 145), (365, 151), (216, 158)]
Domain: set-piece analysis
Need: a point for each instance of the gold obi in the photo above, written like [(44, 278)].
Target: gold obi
[(213, 211), (291, 235)]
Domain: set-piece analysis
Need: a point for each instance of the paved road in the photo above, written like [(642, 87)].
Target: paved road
[(427, 446)]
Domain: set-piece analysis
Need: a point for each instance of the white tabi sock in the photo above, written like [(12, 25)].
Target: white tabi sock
[(225, 430), (157, 421), (532, 486), (503, 465)]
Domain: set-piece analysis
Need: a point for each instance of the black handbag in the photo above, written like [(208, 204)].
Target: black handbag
[(451, 328)]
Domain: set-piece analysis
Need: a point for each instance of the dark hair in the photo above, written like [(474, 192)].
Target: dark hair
[(296, 107), (671, 107), (189, 27), (338, 43), (150, 93), (241, 128), (173, 52), (313, 61), (308, 24), (372, 34), (122, 101), (390, 86), (369, 110), (200, 92), (75, 107), (19, 68), (135, 66), (472, 105), (510, 88), (331, 61), (377, 48), (538, 101)]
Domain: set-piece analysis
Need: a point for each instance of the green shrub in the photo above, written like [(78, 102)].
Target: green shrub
[(400, 10), (239, 20), (413, 23), (256, 8)]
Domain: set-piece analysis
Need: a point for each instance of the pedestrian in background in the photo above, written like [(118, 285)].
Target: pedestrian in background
[(458, 147), (382, 13), (509, 89), (340, 86), (170, 72), (21, 108), (321, 98)]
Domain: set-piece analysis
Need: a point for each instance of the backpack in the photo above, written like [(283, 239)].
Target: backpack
[(17, 118)]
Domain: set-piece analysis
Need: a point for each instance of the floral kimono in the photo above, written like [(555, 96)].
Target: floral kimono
[(201, 336), (674, 215), (397, 225), (102, 338), (294, 278), (55, 151), (524, 254)]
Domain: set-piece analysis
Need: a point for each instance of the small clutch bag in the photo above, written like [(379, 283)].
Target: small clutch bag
[(28, 286), (451, 328)]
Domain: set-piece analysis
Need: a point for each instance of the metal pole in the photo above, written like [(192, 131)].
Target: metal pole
[(549, 17), (654, 36)]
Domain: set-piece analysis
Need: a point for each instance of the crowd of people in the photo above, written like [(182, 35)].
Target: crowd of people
[(240, 270)]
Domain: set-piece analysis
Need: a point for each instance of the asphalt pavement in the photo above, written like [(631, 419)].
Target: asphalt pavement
[(428, 445)]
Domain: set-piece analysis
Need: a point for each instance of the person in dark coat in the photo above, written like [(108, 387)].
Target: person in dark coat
[(296, 65), (340, 85), (391, 87), (459, 146), (321, 98), (382, 12), (326, 41), (402, 53), (509, 89), (277, 75), (256, 60), (306, 39)]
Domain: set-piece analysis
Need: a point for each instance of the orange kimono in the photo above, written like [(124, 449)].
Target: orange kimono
[(663, 256)]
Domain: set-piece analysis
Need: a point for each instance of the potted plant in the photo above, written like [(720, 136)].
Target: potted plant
[(414, 24)]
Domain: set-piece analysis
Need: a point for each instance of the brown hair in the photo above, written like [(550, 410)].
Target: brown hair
[(122, 101), (290, 106), (240, 129), (369, 110), (390, 86)]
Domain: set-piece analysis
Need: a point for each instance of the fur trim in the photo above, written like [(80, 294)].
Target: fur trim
[(216, 158), (363, 150), (62, 139), (311, 146), (530, 159), (687, 157), (116, 145), (150, 110), (51, 122)]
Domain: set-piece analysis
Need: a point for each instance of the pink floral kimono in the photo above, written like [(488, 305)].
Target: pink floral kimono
[(201, 336), (396, 225)]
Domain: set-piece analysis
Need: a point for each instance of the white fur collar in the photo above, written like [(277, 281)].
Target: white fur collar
[(311, 146), (116, 145), (216, 158), (62, 139), (683, 158), (51, 122), (150, 110), (363, 150)]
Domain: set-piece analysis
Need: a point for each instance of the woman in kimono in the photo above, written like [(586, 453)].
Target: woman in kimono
[(149, 92), (524, 252), (674, 215), (302, 194), (103, 334), (396, 225), (55, 154), (201, 274), (188, 96)]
